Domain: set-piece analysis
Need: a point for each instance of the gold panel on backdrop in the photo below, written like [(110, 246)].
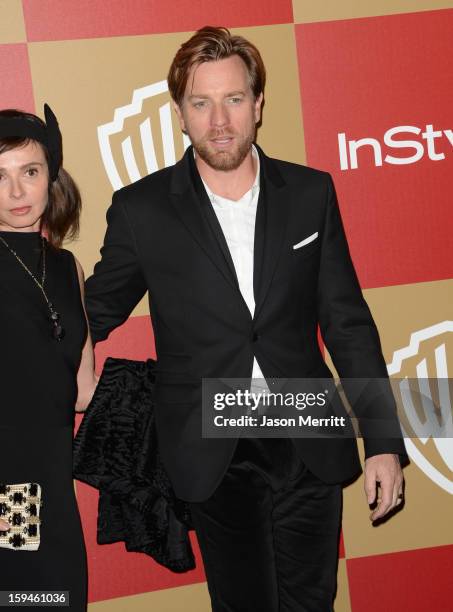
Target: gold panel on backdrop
[(425, 521), (306, 12), (12, 26), (194, 597), (118, 85)]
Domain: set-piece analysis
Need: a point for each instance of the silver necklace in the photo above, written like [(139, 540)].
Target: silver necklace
[(58, 331)]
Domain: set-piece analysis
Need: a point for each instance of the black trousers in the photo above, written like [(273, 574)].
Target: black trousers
[(269, 533)]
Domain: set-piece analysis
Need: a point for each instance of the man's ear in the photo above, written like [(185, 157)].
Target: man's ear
[(178, 112), (258, 107)]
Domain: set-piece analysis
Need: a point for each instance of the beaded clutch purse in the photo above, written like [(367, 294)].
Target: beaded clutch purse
[(20, 506)]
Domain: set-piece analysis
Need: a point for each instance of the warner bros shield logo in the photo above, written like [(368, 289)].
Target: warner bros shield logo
[(143, 137), (424, 396)]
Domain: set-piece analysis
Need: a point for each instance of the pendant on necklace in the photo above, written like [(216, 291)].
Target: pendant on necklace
[(58, 331)]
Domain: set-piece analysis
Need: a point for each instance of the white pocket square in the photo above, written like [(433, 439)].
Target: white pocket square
[(306, 241)]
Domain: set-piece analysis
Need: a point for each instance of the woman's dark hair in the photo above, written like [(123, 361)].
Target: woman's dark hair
[(61, 218)]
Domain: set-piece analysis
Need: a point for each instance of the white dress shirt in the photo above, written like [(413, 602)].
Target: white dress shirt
[(237, 220)]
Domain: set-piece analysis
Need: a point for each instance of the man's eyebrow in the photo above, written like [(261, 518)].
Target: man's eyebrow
[(238, 92), (204, 96)]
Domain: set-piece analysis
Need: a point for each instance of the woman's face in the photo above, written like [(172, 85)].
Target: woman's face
[(24, 181)]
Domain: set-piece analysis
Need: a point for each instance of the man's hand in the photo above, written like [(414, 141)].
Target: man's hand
[(4, 526), (386, 470)]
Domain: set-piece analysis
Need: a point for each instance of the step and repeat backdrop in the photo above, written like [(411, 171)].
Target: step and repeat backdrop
[(360, 89)]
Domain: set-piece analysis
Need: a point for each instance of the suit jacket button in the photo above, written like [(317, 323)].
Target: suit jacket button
[(255, 337)]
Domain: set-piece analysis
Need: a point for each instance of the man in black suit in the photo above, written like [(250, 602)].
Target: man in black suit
[(243, 257)]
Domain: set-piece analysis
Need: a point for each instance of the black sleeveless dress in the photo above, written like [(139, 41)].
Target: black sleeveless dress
[(37, 393)]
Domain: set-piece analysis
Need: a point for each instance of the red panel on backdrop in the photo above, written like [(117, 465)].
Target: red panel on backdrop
[(65, 19), (16, 89), (416, 580), (133, 340), (386, 79), (114, 572)]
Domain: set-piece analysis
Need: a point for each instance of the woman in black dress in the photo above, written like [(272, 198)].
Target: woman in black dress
[(47, 365)]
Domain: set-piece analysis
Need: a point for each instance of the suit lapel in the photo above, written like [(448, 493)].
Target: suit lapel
[(194, 208), (270, 226), (258, 244)]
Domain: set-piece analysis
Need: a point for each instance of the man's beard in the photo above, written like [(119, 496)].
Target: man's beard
[(224, 160)]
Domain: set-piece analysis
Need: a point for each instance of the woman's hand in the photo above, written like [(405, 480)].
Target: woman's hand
[(87, 383), (4, 526)]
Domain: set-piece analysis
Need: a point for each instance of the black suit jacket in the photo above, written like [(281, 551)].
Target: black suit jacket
[(163, 237)]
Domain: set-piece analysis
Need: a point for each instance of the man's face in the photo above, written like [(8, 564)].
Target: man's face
[(219, 112)]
